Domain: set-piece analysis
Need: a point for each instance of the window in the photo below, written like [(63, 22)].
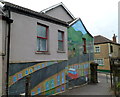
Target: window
[(42, 33), (99, 61), (111, 48), (84, 45), (60, 41), (97, 49)]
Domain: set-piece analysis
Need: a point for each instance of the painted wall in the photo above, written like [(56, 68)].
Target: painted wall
[(59, 13), (52, 77), (1, 61), (2, 56), (75, 34), (24, 42), (1, 37), (1, 75), (45, 77)]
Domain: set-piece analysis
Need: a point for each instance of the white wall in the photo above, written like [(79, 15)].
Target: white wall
[(24, 42), (3, 30), (1, 57), (60, 13), (0, 76)]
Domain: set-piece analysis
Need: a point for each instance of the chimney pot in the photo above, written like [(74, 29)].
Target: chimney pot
[(114, 38)]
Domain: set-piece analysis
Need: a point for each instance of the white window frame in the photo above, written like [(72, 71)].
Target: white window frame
[(98, 61), (97, 49)]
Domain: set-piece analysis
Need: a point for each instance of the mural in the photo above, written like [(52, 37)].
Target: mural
[(76, 33), (47, 78), (72, 74)]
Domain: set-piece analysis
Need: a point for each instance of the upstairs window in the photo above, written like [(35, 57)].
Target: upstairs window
[(84, 45), (97, 49), (42, 38), (111, 48), (60, 41)]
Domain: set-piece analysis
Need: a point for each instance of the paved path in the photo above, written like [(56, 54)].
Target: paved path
[(101, 88)]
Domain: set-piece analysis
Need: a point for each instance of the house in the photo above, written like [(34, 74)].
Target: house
[(59, 11), (105, 49), (55, 50), (32, 45), (80, 45)]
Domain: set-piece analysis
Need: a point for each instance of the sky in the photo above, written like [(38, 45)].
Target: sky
[(100, 17)]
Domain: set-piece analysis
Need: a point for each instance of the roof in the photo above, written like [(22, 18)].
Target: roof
[(78, 19), (73, 21), (101, 40), (32, 13), (54, 6)]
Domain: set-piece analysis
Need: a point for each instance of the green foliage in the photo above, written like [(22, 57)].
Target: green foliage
[(118, 85), (74, 36), (75, 41)]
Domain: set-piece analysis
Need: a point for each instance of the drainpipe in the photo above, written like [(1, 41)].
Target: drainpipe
[(9, 21)]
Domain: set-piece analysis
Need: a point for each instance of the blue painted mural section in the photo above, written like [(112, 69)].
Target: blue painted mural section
[(79, 27)]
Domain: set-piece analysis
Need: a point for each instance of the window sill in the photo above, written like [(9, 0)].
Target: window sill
[(45, 53), (60, 51), (84, 52), (97, 52), (100, 65)]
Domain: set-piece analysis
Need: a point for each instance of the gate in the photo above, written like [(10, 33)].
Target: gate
[(115, 76), (94, 77)]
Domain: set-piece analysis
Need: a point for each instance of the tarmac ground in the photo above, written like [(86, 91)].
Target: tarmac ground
[(101, 88)]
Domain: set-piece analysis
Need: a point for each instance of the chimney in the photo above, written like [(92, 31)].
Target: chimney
[(114, 38)]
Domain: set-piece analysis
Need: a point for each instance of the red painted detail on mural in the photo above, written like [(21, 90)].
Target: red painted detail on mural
[(73, 76), (72, 73)]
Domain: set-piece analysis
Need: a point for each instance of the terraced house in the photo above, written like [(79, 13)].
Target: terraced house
[(105, 49), (33, 46), (52, 47)]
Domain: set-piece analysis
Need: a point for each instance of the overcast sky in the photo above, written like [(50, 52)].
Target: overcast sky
[(99, 16)]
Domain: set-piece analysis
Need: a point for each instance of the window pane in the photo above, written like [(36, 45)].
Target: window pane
[(97, 49), (42, 44), (60, 45), (60, 37), (99, 61), (41, 31), (38, 44), (111, 48)]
